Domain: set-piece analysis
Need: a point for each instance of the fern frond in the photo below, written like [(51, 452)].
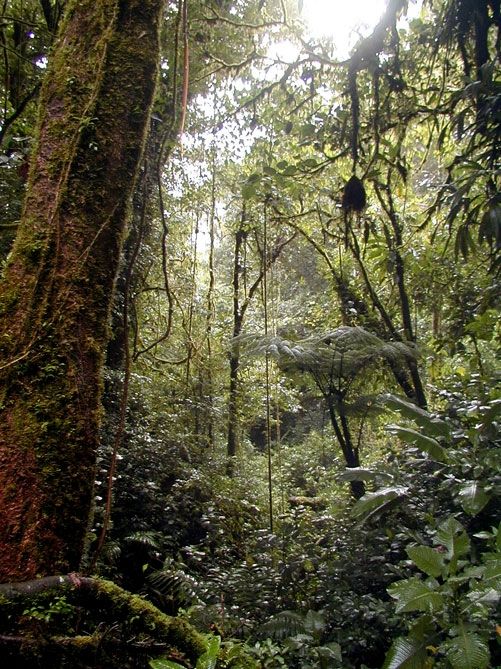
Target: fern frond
[(111, 552), (148, 539), (341, 353), (283, 625), (175, 586)]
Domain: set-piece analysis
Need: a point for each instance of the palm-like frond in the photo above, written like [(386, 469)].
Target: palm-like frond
[(147, 539), (174, 585), (340, 353), (282, 625)]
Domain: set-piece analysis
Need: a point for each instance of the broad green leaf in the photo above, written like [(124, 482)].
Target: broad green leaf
[(373, 501), (329, 651), (361, 474), (310, 163), (468, 651), (433, 426), (406, 654), (473, 498), (492, 574), (314, 622), (209, 659), (249, 190), (427, 559), (484, 325), (426, 444), (413, 594), (307, 130), (451, 534), (490, 597)]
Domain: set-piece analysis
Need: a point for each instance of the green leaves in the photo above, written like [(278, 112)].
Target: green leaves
[(373, 502), (413, 594), (406, 654), (455, 593), (423, 442), (251, 186), (467, 651), (207, 660), (473, 497), (428, 560), (433, 426), (490, 225), (451, 534)]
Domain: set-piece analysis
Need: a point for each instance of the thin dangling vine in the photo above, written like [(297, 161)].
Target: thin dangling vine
[(267, 364)]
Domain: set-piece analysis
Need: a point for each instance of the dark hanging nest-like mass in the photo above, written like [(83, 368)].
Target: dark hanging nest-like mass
[(354, 198)]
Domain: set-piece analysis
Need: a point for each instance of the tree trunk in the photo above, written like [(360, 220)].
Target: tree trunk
[(343, 435), (238, 316), (57, 290)]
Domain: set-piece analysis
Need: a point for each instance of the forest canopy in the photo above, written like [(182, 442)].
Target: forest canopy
[(249, 334)]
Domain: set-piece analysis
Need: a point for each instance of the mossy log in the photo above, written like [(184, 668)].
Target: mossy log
[(57, 289), (100, 624)]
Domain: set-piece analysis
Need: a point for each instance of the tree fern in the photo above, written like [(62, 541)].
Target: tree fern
[(342, 353)]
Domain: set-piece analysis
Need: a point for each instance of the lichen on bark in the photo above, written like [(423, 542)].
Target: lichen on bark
[(57, 289)]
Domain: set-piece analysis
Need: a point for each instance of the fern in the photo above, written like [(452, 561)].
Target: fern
[(342, 353), (283, 625), (147, 539), (111, 552), (175, 586)]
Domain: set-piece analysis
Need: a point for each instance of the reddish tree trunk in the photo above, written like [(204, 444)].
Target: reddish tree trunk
[(58, 286)]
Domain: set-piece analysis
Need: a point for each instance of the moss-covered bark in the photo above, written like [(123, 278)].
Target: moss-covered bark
[(81, 622), (56, 293)]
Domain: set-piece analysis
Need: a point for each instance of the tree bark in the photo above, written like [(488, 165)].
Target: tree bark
[(350, 454), (148, 628), (57, 289), (238, 316)]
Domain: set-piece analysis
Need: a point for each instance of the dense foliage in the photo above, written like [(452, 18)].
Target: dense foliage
[(300, 445)]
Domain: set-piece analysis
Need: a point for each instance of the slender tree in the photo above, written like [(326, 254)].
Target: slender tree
[(58, 285)]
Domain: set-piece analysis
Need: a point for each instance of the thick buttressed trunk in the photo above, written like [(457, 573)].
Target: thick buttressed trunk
[(58, 285)]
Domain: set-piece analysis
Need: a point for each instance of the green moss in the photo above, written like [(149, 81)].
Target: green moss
[(49, 618), (146, 618), (8, 301), (100, 78)]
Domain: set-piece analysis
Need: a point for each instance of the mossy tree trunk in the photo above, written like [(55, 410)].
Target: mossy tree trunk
[(58, 284)]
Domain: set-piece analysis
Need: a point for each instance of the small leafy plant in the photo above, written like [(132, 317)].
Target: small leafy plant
[(302, 642), (454, 598), (45, 612), (207, 660)]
